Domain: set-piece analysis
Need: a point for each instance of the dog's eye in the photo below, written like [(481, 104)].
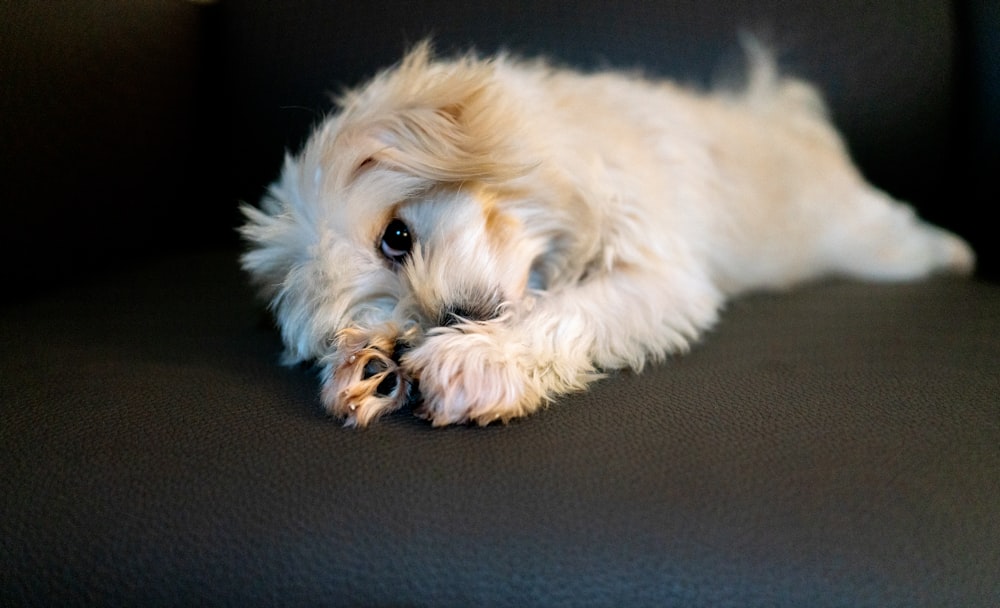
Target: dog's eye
[(396, 241)]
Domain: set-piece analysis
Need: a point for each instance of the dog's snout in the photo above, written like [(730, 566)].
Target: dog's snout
[(453, 315)]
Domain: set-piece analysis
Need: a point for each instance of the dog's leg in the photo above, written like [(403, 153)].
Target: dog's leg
[(557, 343), (849, 228), (361, 379), (879, 238)]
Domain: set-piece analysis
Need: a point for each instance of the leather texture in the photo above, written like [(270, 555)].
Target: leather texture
[(835, 445)]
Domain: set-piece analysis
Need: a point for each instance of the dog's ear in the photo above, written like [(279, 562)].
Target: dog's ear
[(443, 121)]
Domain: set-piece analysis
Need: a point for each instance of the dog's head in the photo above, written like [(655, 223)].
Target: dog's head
[(411, 205)]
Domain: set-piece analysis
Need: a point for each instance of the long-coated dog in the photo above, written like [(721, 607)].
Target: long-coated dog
[(497, 232)]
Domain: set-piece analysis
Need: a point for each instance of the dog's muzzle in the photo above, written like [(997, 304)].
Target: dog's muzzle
[(475, 311)]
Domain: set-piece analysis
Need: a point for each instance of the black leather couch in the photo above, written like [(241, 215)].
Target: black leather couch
[(837, 445)]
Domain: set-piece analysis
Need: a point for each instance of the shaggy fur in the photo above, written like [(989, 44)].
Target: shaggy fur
[(497, 232)]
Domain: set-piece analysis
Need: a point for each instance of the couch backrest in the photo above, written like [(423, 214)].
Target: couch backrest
[(129, 127)]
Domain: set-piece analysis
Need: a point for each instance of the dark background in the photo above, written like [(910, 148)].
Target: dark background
[(134, 128)]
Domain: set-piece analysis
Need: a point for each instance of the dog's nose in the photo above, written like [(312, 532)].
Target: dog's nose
[(453, 315)]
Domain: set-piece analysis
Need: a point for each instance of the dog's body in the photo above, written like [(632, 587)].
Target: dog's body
[(501, 231)]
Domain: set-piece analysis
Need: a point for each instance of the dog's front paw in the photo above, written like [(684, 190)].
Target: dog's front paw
[(472, 377), (362, 381)]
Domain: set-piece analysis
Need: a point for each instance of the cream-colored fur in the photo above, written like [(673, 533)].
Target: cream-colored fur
[(559, 224)]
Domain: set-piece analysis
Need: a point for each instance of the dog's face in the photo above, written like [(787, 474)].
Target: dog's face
[(403, 211), (378, 245), (421, 211)]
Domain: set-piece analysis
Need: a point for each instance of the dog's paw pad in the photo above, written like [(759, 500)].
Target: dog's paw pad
[(366, 385)]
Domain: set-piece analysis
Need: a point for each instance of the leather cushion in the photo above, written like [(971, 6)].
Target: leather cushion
[(835, 445)]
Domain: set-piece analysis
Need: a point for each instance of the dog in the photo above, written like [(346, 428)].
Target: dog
[(479, 235)]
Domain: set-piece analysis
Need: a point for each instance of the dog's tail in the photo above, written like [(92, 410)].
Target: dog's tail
[(768, 90)]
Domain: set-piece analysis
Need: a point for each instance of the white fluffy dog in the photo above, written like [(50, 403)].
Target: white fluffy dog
[(497, 232)]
